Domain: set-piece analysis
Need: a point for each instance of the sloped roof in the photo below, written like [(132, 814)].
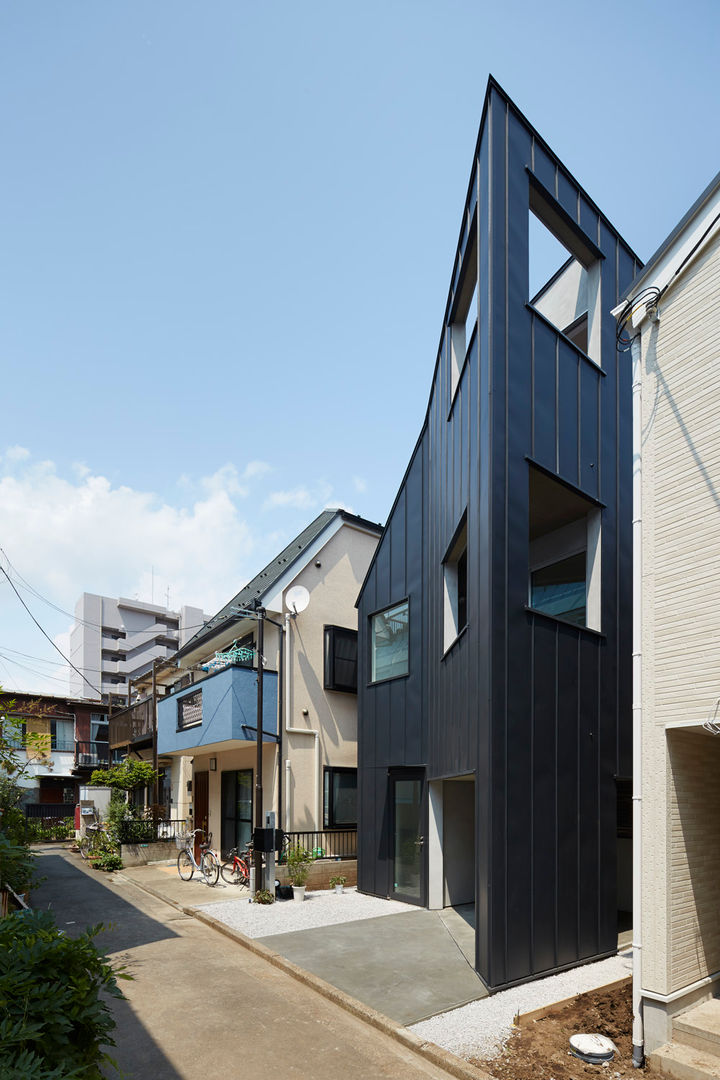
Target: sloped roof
[(259, 586)]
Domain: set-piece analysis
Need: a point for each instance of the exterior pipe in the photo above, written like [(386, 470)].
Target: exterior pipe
[(638, 1035), (297, 731)]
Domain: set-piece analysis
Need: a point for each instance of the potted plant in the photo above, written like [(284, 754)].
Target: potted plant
[(337, 882), (298, 864)]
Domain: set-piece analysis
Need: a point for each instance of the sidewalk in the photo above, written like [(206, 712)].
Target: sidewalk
[(399, 960)]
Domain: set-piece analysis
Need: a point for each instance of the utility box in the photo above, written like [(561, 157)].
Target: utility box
[(268, 839)]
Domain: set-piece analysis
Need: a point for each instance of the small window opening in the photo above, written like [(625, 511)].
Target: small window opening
[(464, 317), (564, 562), (563, 286), (455, 586)]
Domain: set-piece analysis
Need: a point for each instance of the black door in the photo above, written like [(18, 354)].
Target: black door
[(237, 809)]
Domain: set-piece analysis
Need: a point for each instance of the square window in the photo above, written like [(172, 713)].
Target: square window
[(455, 585), (340, 659), (390, 641)]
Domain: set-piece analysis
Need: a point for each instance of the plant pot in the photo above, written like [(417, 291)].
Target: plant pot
[(298, 892), (339, 888)]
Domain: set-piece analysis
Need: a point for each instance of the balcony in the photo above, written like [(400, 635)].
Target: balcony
[(133, 725), (219, 709), (93, 755)]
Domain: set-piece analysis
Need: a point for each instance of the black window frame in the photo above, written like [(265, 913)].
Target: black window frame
[(332, 635), (329, 821)]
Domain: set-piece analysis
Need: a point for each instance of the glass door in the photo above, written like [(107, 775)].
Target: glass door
[(408, 880), (237, 808)]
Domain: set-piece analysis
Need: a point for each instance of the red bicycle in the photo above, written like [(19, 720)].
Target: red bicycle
[(235, 869)]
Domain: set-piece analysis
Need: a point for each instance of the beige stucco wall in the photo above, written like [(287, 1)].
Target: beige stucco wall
[(333, 588), (681, 629), (333, 579)]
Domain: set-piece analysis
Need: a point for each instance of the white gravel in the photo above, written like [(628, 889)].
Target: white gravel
[(476, 1030), (481, 1028), (322, 908)]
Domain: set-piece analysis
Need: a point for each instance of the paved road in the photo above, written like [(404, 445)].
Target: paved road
[(200, 1005)]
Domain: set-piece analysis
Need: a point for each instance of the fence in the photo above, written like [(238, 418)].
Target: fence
[(147, 832), (327, 843), (51, 811)]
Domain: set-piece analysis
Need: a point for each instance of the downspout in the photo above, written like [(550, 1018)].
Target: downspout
[(297, 731), (638, 1036)]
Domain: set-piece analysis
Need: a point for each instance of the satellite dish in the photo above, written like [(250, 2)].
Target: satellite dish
[(297, 599)]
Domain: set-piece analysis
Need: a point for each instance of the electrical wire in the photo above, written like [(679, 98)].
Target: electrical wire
[(84, 622), (45, 634), (40, 674)]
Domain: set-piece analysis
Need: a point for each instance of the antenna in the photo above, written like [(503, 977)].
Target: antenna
[(297, 599)]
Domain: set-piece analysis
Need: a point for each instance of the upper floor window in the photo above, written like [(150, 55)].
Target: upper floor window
[(390, 643), (464, 314), (340, 659), (455, 585), (189, 710), (564, 570), (564, 273)]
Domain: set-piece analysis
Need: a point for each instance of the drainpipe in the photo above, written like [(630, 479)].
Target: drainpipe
[(297, 731), (638, 1036)]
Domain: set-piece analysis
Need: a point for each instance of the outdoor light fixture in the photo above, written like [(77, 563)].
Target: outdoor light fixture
[(213, 764)]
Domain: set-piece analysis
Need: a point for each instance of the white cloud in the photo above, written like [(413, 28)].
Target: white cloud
[(300, 498), (360, 484), (74, 533)]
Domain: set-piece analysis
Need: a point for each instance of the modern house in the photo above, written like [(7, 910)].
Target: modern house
[(494, 745), (63, 740), (116, 640), (303, 603), (668, 324)]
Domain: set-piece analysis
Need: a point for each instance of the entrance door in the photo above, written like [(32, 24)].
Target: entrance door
[(237, 809), (408, 862), (201, 783)]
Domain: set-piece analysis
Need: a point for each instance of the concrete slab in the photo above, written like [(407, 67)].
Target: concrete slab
[(407, 966)]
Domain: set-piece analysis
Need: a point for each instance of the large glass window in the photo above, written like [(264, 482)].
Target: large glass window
[(340, 798), (237, 809), (559, 589), (390, 642)]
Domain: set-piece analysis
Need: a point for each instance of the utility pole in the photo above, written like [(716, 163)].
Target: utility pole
[(156, 790), (259, 817)]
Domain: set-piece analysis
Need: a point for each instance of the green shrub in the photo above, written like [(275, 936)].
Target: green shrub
[(108, 860), (17, 867), (298, 864), (53, 1021), (264, 896)]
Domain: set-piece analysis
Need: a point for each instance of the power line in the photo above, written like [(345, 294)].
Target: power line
[(84, 622), (43, 632)]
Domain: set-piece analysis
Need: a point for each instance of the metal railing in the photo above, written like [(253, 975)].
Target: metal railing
[(95, 754), (50, 811), (327, 843), (148, 831), (130, 724)]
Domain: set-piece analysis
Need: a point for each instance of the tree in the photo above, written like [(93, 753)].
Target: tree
[(127, 776)]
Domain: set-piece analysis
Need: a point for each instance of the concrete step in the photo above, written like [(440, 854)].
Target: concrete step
[(685, 1062), (700, 1027)]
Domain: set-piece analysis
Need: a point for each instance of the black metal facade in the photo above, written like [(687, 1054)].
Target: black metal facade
[(538, 710)]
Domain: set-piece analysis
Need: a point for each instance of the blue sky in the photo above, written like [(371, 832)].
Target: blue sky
[(227, 234)]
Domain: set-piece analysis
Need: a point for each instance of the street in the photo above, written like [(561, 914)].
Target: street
[(199, 1003)]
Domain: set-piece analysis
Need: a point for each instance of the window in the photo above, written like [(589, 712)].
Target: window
[(390, 643), (463, 319), (62, 735), (563, 272), (98, 727), (564, 579), (189, 710), (455, 585), (340, 659), (339, 798), (247, 644)]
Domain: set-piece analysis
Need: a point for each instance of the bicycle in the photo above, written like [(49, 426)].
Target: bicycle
[(93, 842), (209, 865), (236, 869)]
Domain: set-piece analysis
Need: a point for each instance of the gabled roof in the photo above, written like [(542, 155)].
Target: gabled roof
[(262, 585)]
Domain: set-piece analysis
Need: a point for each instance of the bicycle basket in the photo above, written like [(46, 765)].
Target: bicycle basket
[(181, 842)]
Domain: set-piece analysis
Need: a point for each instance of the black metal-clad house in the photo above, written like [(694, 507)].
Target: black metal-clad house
[(495, 619)]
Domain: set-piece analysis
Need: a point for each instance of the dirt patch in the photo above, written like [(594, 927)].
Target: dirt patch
[(541, 1051)]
